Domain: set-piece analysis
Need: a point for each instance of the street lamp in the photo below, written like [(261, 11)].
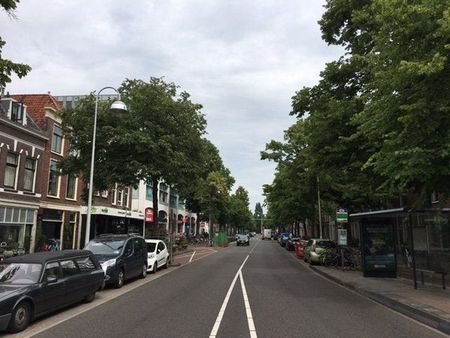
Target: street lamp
[(117, 107)]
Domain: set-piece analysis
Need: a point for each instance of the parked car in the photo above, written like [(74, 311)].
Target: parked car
[(36, 284), (242, 240), (157, 253), (290, 243), (284, 236), (317, 247), (122, 257)]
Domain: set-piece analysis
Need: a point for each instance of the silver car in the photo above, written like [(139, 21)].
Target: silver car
[(316, 247)]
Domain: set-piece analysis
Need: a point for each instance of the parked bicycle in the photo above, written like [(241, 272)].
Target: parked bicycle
[(349, 257)]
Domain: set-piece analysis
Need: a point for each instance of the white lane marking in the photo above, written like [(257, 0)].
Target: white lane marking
[(190, 260), (216, 326), (248, 310), (254, 247)]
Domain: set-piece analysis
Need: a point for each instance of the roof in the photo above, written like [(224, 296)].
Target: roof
[(43, 257), (36, 104), (114, 237)]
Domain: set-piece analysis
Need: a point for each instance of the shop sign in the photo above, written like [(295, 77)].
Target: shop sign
[(149, 217)]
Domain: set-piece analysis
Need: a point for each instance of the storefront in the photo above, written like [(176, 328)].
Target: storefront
[(113, 221), (17, 229)]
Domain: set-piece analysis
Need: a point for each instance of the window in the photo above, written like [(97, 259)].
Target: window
[(161, 247), (163, 196), (52, 270), (17, 112), (138, 247), (119, 197), (28, 178), (149, 192), (125, 197), (69, 268), (12, 161), (128, 248), (71, 186), (57, 139), (53, 179), (85, 264), (114, 195)]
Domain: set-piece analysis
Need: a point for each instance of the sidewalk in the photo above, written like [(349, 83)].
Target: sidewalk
[(428, 304)]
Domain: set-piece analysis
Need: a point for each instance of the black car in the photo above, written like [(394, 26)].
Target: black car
[(283, 238), (290, 243), (122, 257), (242, 240), (39, 283)]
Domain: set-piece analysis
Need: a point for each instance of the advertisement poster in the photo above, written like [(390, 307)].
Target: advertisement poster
[(378, 249)]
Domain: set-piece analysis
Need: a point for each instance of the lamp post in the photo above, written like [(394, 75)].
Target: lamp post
[(320, 210), (116, 107)]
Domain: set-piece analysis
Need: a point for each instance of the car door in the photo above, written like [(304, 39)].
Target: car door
[(161, 253), (51, 295), (129, 261), (75, 281), (140, 257), (92, 276)]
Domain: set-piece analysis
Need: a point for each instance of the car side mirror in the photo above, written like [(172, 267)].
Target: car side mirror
[(158, 251), (52, 279)]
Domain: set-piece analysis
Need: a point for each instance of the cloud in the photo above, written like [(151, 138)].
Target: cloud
[(242, 59)]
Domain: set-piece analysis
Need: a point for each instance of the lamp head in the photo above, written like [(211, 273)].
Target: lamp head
[(118, 107)]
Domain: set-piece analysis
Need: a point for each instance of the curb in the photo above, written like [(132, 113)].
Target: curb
[(418, 315)]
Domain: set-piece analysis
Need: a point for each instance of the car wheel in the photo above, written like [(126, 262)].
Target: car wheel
[(120, 279), (89, 298), (144, 271), (155, 267), (20, 317)]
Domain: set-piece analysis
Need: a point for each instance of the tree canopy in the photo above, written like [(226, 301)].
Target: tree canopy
[(377, 124)]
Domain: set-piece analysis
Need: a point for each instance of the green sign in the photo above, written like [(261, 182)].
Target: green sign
[(342, 216)]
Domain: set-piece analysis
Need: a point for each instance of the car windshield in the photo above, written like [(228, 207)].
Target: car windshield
[(243, 237), (20, 273), (151, 247), (107, 248), (326, 244)]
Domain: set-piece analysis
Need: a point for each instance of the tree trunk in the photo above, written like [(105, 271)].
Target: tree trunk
[(155, 205)]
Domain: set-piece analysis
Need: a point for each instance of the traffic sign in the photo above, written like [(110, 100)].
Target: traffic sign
[(342, 216)]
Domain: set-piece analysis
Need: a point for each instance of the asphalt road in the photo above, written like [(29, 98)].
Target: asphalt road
[(284, 299)]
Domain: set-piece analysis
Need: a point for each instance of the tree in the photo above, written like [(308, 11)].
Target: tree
[(161, 138), (239, 213), (198, 198), (7, 67)]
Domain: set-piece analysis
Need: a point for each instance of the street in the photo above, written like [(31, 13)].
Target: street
[(285, 299)]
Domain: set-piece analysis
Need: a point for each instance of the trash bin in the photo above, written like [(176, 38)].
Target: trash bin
[(300, 248)]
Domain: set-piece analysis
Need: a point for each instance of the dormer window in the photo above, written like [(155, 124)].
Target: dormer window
[(17, 112)]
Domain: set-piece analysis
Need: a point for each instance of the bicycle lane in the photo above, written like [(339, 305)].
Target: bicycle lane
[(290, 300), (235, 315)]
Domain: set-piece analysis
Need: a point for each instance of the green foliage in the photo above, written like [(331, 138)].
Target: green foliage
[(159, 138), (377, 125)]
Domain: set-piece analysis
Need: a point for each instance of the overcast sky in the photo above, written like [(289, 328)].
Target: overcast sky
[(242, 60)]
